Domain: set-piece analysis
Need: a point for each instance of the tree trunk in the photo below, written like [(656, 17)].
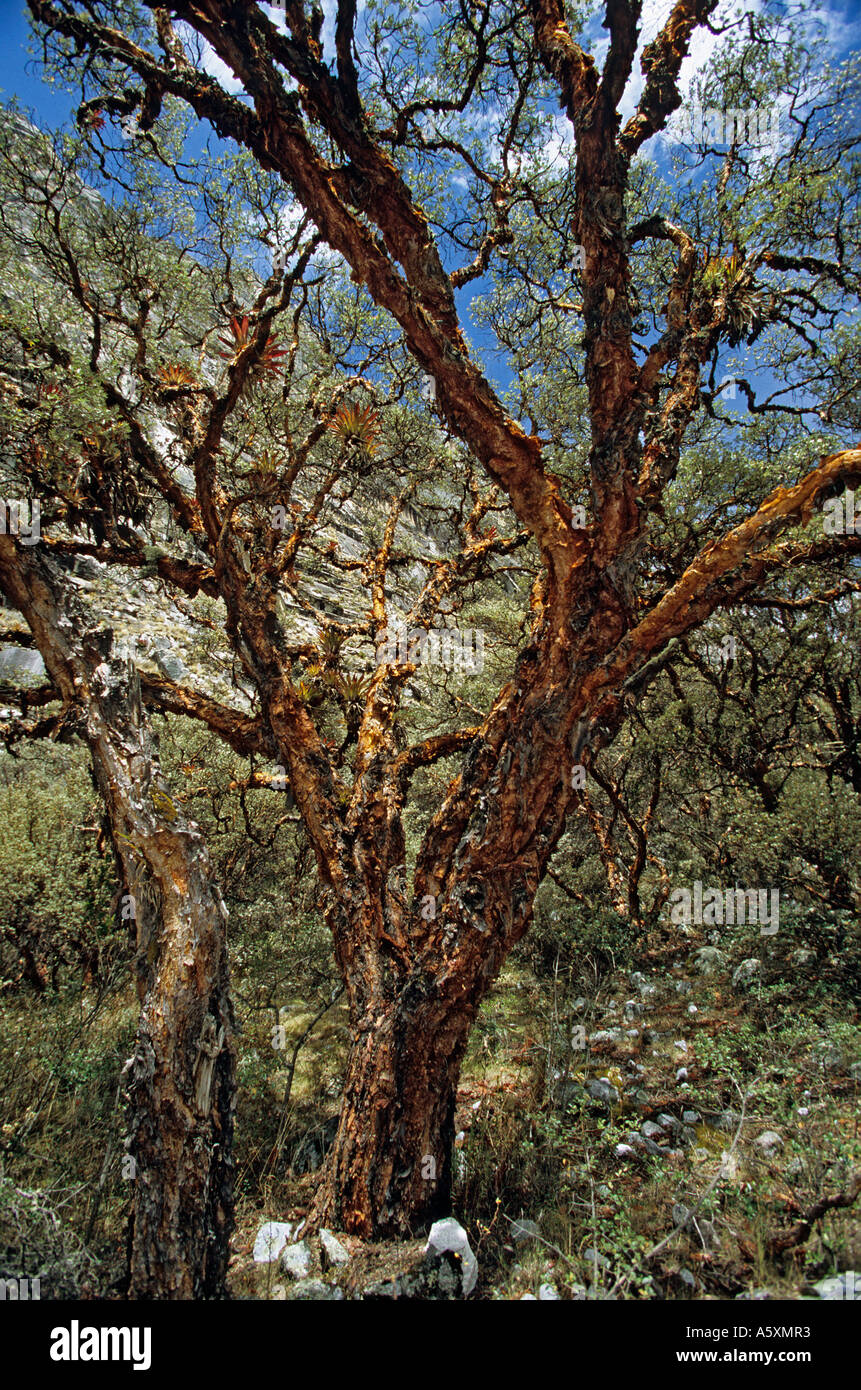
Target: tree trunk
[(181, 1078), (390, 1170), (181, 1083)]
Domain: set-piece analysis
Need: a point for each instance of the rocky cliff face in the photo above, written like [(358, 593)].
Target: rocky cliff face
[(164, 634)]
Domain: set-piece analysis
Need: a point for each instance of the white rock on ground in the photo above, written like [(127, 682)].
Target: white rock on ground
[(296, 1260), (448, 1234), (270, 1241), (746, 973), (332, 1250), (708, 960), (768, 1142), (840, 1286)]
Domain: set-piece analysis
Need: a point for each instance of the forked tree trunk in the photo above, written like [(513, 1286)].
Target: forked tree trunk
[(418, 966), (181, 1078)]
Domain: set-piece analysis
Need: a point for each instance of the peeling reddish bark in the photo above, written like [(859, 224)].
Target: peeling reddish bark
[(181, 1077)]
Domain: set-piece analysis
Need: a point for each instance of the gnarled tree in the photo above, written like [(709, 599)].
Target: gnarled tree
[(180, 1080), (618, 290)]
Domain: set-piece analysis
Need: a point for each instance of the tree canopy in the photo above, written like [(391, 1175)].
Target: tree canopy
[(464, 401)]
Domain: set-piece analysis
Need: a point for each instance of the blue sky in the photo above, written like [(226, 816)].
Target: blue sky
[(18, 75)]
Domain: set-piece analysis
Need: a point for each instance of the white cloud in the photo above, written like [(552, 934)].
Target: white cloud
[(559, 147), (204, 55), (840, 33)]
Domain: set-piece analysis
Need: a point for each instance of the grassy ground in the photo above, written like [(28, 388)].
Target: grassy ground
[(779, 1055)]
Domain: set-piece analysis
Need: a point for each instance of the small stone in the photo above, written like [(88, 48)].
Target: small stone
[(448, 1234), (547, 1294), (709, 961), (669, 1122), (594, 1263), (682, 1074), (16, 662), (624, 1151), (692, 1009), (840, 1286), (633, 1008), (605, 1035), (687, 1278), (745, 974), (604, 1092), (528, 1298), (296, 1260), (691, 1117), (827, 1057), (768, 1142), (652, 1131), (680, 1045), (332, 1251), (803, 959), (270, 1241)]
